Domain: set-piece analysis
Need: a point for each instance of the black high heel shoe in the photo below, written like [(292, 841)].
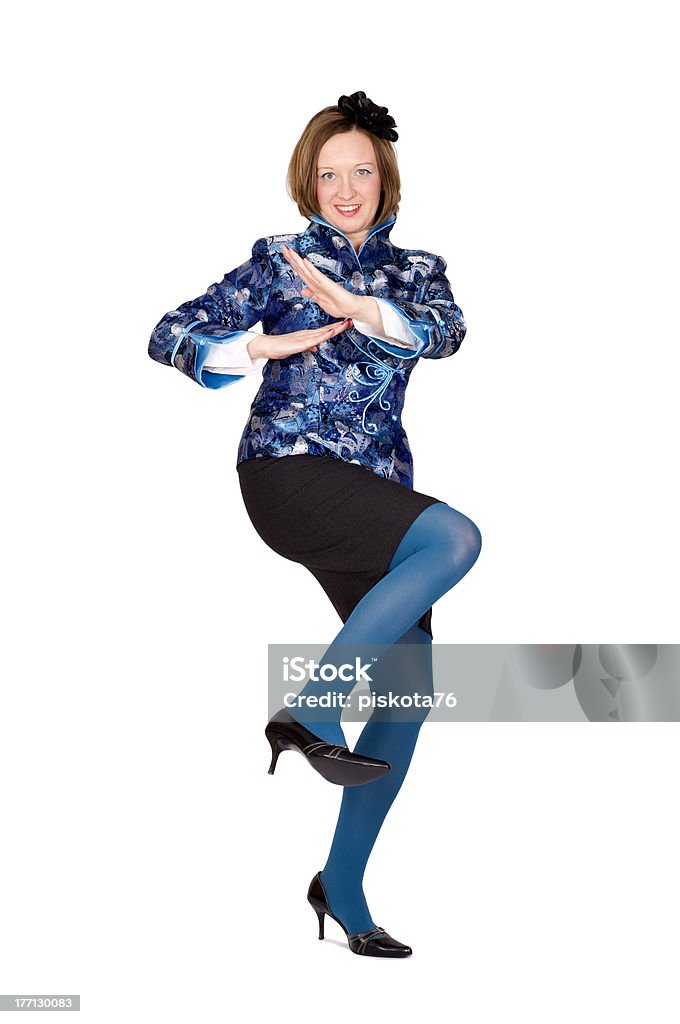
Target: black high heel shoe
[(335, 763), (374, 943)]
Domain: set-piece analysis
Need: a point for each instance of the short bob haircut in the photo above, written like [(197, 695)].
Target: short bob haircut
[(301, 180)]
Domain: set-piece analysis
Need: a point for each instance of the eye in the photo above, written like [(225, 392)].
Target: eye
[(364, 169)]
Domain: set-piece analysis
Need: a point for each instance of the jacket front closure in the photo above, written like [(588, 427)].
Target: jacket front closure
[(374, 374), (377, 228)]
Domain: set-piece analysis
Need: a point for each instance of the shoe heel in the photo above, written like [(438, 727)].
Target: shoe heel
[(320, 909), (276, 750)]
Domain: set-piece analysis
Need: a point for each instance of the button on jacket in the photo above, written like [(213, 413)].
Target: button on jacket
[(346, 399)]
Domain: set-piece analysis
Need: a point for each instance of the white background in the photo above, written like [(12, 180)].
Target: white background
[(147, 860)]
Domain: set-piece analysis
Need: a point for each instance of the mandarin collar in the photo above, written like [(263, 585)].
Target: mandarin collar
[(379, 232)]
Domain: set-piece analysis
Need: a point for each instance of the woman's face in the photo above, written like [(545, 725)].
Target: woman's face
[(347, 175)]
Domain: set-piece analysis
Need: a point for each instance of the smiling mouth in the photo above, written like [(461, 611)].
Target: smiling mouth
[(348, 211)]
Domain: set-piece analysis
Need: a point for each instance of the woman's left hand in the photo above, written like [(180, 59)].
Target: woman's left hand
[(330, 296)]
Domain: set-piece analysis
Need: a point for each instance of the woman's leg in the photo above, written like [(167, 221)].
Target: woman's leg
[(437, 550), (392, 736)]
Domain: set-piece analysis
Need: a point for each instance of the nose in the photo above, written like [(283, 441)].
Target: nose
[(346, 192)]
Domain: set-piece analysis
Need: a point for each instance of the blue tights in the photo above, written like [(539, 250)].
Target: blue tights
[(438, 549)]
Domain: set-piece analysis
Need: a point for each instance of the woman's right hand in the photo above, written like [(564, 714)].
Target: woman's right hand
[(278, 346)]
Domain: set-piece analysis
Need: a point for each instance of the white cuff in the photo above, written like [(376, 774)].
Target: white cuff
[(233, 357), (396, 328)]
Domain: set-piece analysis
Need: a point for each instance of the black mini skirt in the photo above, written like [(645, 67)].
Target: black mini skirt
[(339, 519)]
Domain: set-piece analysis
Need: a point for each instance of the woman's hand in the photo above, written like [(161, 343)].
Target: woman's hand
[(330, 296), (278, 346)]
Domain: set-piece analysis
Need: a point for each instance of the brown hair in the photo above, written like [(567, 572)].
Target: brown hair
[(301, 179)]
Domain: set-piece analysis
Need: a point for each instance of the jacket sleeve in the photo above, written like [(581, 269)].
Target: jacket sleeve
[(185, 337), (234, 358), (396, 327), (436, 323)]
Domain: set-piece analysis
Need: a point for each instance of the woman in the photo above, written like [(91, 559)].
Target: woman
[(324, 464)]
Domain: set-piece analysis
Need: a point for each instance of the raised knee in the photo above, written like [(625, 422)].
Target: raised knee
[(464, 541), (473, 540)]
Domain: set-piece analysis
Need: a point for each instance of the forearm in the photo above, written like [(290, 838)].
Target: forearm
[(255, 347)]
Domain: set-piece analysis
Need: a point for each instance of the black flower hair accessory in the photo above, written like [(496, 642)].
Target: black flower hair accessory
[(368, 115)]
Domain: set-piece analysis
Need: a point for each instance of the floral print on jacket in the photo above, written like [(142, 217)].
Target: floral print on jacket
[(345, 400)]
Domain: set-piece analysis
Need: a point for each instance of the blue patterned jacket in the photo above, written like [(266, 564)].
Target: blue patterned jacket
[(346, 399)]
